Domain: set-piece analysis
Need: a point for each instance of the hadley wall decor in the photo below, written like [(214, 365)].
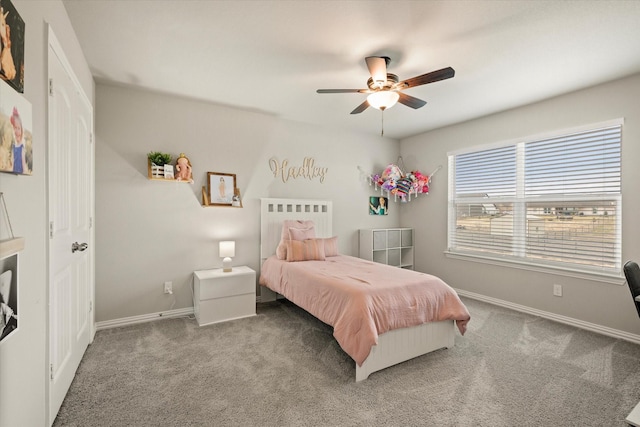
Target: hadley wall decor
[(307, 170), (11, 46), (16, 140)]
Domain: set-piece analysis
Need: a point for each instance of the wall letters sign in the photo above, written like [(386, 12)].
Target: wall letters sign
[(308, 170)]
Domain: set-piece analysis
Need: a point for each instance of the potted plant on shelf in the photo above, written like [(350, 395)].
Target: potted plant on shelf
[(157, 162)]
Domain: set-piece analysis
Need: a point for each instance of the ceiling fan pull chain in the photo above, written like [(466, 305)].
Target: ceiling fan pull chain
[(382, 125)]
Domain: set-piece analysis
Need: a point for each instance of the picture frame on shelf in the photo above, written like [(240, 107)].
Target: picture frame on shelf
[(168, 172), (221, 188)]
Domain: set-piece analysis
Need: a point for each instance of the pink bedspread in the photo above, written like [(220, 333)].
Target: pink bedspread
[(363, 299)]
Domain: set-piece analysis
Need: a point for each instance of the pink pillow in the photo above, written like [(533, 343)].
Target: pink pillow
[(281, 250), (302, 233), (305, 250), (331, 246)]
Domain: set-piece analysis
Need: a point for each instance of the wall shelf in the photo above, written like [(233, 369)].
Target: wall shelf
[(207, 204), (11, 246), (155, 178)]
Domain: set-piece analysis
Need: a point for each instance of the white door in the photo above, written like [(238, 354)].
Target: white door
[(70, 217)]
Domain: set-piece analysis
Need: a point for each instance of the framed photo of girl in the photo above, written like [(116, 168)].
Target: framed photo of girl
[(222, 188), (378, 205), (16, 141)]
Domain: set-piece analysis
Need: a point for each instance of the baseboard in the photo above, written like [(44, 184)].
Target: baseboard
[(615, 333), (125, 321)]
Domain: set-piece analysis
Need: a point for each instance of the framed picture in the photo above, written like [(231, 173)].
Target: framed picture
[(8, 291), (16, 141), (221, 188), (11, 46), (378, 205)]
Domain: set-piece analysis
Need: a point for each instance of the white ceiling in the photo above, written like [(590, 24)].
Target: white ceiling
[(271, 56)]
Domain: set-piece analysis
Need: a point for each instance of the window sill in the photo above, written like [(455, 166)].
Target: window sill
[(603, 277)]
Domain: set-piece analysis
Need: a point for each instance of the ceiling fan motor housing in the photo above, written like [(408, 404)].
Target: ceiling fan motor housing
[(392, 80)]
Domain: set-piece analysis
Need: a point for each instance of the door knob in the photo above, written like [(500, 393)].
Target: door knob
[(75, 246)]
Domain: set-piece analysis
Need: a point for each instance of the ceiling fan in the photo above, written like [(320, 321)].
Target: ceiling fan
[(385, 89)]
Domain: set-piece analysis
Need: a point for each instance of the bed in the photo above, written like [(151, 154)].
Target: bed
[(356, 297)]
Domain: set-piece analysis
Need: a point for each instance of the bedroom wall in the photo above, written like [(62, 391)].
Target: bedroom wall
[(23, 355), (149, 232), (605, 304)]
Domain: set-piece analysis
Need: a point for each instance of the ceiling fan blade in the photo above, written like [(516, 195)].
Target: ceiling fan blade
[(434, 76), (410, 101), (343, 91), (377, 66), (360, 108)]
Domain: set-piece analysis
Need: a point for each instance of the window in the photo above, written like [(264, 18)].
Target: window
[(554, 201)]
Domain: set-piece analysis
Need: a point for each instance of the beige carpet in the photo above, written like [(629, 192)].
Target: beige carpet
[(283, 368)]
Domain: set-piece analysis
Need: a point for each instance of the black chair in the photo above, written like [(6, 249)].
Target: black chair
[(632, 273)]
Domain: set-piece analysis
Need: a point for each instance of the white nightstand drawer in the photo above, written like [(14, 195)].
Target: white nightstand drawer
[(223, 309), (227, 286)]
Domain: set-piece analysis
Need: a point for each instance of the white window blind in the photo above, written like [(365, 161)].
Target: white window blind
[(553, 201)]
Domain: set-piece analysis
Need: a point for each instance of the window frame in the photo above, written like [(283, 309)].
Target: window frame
[(610, 275)]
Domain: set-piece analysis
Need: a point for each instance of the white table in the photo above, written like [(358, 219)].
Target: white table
[(220, 296)]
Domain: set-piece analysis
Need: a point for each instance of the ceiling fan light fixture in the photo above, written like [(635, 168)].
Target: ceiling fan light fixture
[(383, 99)]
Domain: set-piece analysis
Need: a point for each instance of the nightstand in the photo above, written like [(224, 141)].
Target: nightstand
[(218, 296)]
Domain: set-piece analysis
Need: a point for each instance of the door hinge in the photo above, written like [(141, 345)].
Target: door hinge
[(91, 138), (90, 306), (90, 222), (51, 87), (51, 370), (51, 229)]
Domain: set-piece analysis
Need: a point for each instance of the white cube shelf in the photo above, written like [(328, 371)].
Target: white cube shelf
[(391, 246)]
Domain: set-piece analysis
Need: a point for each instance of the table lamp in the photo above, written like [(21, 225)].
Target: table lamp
[(227, 250)]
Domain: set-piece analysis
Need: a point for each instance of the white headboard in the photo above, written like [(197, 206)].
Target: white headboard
[(274, 211)]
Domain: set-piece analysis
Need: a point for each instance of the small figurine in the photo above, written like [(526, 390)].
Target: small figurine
[(183, 169), (235, 200)]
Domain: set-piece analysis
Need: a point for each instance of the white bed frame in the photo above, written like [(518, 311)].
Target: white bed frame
[(394, 346)]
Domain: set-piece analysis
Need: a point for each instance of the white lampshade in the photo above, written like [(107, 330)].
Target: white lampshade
[(227, 250), (383, 99)]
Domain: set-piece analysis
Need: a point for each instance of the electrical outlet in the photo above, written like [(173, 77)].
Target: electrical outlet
[(168, 287), (557, 290)]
